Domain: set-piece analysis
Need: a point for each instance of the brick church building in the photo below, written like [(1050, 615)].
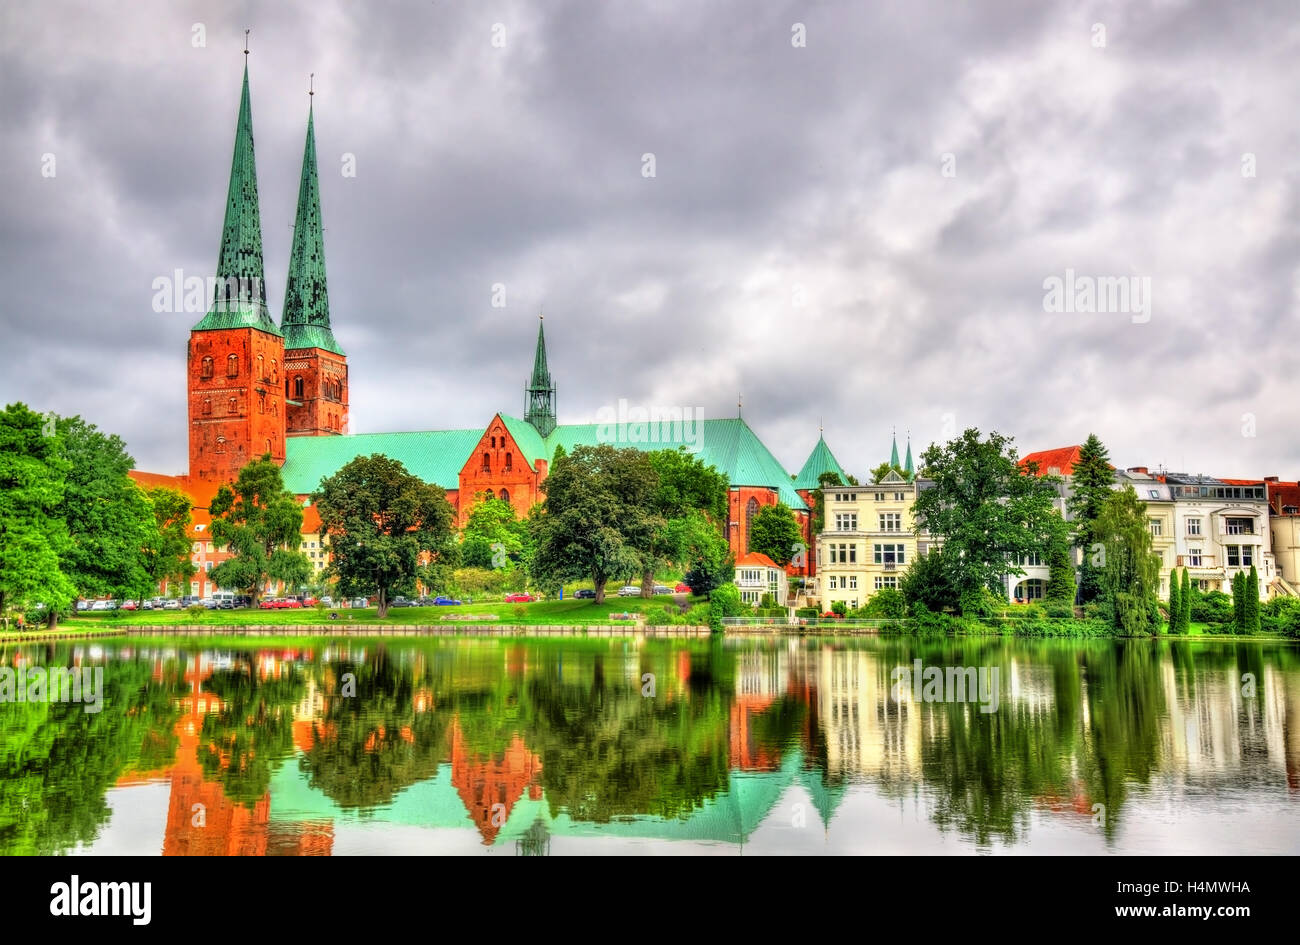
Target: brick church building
[(256, 388)]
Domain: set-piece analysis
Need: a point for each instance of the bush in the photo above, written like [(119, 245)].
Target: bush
[(1212, 607), (839, 608), (1058, 608), (886, 603), (767, 601), (520, 612), (697, 616), (980, 603), (726, 599), (1281, 615), (196, 610), (807, 612)]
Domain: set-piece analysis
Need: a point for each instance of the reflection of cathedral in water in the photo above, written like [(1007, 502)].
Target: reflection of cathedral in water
[(811, 715)]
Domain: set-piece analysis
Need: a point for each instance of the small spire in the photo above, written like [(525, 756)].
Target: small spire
[(245, 42), (740, 403), (311, 84)]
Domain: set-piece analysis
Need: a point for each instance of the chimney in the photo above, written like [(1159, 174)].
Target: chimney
[(1270, 479)]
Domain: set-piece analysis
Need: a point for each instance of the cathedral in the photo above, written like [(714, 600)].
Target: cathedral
[(257, 388)]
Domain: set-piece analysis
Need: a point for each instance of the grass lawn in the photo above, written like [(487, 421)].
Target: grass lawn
[(538, 612)]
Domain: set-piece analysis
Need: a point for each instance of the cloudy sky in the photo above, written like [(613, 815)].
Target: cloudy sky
[(853, 212)]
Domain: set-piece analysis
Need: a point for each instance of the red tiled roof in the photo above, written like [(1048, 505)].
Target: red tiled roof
[(753, 559), (1283, 494), (1242, 482), (1062, 458), (150, 480)]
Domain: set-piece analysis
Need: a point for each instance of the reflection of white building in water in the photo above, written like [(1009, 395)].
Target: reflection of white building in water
[(1215, 733), (867, 731)]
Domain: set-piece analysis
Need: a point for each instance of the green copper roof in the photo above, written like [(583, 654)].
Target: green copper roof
[(435, 456), (907, 465), (540, 392), (240, 297), (820, 460), (893, 454), (306, 319), (438, 456)]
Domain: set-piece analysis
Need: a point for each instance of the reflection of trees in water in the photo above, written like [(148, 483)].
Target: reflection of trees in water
[(608, 751), (245, 741), (58, 761), (367, 748)]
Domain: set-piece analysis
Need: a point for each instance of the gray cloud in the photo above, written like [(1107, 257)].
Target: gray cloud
[(784, 175)]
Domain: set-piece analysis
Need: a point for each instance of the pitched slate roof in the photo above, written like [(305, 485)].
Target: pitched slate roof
[(437, 456), (820, 460)]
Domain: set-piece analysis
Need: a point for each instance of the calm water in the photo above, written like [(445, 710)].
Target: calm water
[(567, 746)]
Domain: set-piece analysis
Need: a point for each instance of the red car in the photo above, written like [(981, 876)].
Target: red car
[(682, 588), (268, 603), (288, 602), (520, 598)]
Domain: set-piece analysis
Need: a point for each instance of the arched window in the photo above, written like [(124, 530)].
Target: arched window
[(275, 408), (494, 442), (207, 406), (297, 388), (509, 461), (275, 372), (261, 368), (205, 370), (261, 402), (268, 444), (232, 365), (487, 462), (751, 509), (505, 496), (221, 444), (233, 407)]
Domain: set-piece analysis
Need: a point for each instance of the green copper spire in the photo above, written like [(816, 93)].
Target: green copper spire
[(239, 300), (539, 397), (907, 464), (306, 319), (820, 460), (893, 454)]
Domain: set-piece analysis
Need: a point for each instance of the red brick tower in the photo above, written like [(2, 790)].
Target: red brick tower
[(316, 369), (236, 353)]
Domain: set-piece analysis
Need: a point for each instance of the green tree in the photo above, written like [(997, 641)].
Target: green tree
[(261, 523), (926, 581), (775, 533), (598, 520), (1130, 570), (685, 486), (1060, 566), (1092, 480), (1239, 603), (379, 520), (493, 536), (109, 518), (704, 552), (167, 552), (32, 535), (1250, 610), (1187, 596), (1175, 603), (988, 512)]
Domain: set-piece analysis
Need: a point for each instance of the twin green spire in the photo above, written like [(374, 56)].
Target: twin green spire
[(539, 395), (306, 297), (240, 297)]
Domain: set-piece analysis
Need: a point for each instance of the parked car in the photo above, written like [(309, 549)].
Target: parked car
[(400, 601), (424, 601), (682, 588), (129, 605), (663, 589), (101, 605), (585, 593), (446, 601), (288, 603), (243, 600), (359, 602), (629, 590), (327, 601), (226, 603), (520, 598), (172, 604), (267, 603)]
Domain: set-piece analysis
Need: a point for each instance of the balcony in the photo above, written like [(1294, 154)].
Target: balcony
[(1202, 563)]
